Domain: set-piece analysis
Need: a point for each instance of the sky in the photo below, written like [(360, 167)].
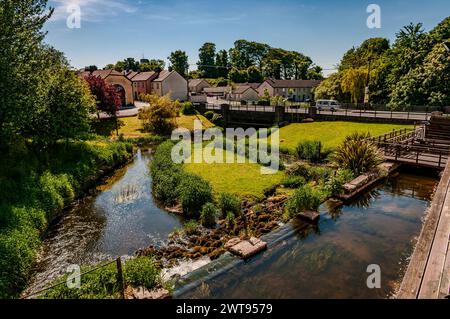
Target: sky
[(112, 30)]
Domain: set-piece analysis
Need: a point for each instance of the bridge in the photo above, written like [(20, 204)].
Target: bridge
[(237, 114), (415, 148)]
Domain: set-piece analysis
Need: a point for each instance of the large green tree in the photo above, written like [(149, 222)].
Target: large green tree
[(21, 64), (206, 60), (222, 64), (179, 62)]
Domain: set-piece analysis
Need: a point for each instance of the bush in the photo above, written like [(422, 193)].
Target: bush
[(320, 174), (56, 192), (208, 215), (159, 117), (191, 228), (142, 272), (209, 115), (358, 153), (309, 150), (334, 184), (299, 169), (304, 198), (229, 203), (194, 193), (293, 181), (188, 109)]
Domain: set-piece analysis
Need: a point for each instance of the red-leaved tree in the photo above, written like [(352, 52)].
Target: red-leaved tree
[(108, 100)]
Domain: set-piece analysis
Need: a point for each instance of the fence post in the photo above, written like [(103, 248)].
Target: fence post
[(120, 280)]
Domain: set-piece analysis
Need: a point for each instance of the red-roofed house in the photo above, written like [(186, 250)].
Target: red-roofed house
[(162, 83), (244, 93), (119, 81), (142, 83)]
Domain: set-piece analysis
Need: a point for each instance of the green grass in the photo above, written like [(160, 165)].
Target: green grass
[(244, 180), (34, 188), (131, 127), (331, 134)]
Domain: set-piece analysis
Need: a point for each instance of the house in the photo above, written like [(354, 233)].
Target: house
[(170, 82), (220, 91), (118, 80), (197, 86), (244, 93), (142, 83), (295, 90)]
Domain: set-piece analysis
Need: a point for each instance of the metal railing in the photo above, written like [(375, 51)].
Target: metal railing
[(120, 279)]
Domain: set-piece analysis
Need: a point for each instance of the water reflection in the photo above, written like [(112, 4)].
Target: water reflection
[(120, 219), (331, 261)]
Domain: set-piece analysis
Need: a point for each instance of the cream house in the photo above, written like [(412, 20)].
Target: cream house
[(170, 82), (244, 93), (197, 86), (296, 90)]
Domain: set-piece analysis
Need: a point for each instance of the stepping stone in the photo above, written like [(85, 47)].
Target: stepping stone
[(141, 293), (247, 248), (310, 215)]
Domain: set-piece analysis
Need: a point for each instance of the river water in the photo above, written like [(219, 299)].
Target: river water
[(331, 259), (119, 220)]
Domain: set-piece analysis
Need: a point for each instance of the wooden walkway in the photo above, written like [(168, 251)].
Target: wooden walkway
[(428, 273)]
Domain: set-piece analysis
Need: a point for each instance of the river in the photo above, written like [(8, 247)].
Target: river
[(121, 218), (329, 260)]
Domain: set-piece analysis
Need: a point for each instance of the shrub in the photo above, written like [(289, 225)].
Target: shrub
[(229, 203), (309, 150), (194, 193), (230, 219), (304, 198), (209, 115), (191, 228), (159, 117), (188, 109), (334, 184), (56, 192), (142, 272), (299, 169), (358, 153), (293, 181), (320, 174), (208, 215)]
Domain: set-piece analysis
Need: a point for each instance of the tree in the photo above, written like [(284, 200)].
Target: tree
[(254, 75), (106, 97), (159, 117), (238, 76), (179, 62), (330, 88), (206, 62), (245, 54), (222, 63), (152, 65), (353, 81), (22, 65), (130, 64), (68, 108)]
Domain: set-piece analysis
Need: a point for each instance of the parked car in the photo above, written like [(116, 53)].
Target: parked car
[(328, 105)]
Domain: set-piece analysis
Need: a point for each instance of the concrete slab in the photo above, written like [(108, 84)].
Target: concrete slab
[(248, 248)]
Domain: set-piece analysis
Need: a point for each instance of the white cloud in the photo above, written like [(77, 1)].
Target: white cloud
[(91, 10)]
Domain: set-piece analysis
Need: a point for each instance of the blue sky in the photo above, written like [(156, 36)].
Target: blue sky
[(112, 30)]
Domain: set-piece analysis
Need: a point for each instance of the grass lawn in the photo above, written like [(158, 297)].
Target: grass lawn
[(131, 127), (331, 134), (244, 180)]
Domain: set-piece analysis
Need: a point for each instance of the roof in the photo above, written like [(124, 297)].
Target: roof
[(105, 73), (195, 82), (219, 89), (163, 75), (131, 74), (242, 89), (143, 76), (293, 83), (252, 85)]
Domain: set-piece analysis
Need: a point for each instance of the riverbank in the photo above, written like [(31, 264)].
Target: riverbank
[(36, 189)]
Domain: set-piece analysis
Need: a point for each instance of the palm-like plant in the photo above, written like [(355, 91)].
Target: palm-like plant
[(358, 153)]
